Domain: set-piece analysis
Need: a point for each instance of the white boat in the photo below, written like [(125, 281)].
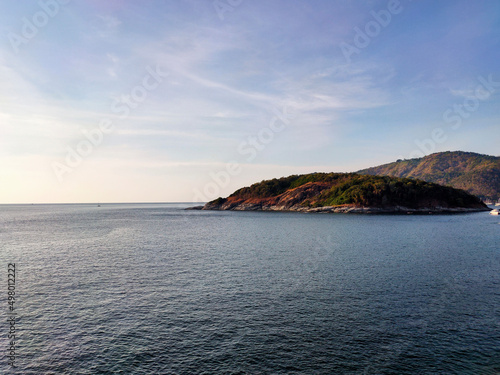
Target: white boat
[(494, 212), (497, 204)]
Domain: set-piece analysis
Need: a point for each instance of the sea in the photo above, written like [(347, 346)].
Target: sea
[(157, 289)]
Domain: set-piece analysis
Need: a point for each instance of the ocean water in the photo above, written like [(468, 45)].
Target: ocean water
[(155, 289)]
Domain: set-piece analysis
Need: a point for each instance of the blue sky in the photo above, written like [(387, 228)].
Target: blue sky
[(189, 94)]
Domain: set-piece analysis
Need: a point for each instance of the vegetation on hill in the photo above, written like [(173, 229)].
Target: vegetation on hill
[(475, 173), (277, 186), (336, 189)]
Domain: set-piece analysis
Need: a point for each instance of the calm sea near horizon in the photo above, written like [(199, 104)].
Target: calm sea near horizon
[(155, 289)]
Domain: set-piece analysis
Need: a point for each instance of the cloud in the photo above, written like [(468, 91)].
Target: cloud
[(106, 26), (167, 133), (226, 79), (463, 93)]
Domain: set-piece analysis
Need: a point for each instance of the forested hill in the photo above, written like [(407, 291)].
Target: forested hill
[(475, 173), (348, 192)]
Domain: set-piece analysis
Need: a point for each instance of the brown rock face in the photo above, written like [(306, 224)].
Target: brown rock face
[(288, 199)]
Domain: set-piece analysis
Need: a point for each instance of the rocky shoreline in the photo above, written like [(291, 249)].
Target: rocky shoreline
[(345, 209)]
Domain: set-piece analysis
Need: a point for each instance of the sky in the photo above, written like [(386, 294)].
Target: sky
[(189, 100)]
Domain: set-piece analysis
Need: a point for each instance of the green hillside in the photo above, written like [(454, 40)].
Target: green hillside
[(475, 173)]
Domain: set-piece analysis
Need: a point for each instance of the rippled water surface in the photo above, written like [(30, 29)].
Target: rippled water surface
[(154, 289)]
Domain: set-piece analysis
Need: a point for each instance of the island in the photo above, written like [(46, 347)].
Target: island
[(349, 193)]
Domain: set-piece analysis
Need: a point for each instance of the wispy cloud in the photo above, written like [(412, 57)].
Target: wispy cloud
[(225, 81)]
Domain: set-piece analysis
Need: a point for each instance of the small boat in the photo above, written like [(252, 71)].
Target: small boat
[(497, 204), (494, 212)]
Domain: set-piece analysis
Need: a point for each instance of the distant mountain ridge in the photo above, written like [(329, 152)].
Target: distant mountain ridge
[(475, 173)]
